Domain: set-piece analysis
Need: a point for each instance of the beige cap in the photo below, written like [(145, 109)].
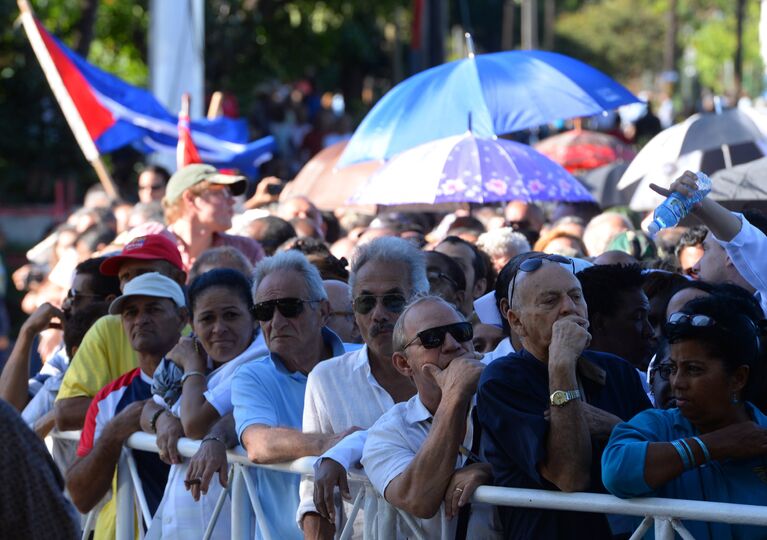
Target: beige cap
[(195, 173)]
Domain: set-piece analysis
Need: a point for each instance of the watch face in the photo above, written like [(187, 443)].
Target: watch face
[(558, 397)]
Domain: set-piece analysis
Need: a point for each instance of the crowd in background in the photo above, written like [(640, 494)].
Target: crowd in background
[(550, 346)]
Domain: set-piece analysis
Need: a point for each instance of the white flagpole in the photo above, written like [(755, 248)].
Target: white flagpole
[(71, 113)]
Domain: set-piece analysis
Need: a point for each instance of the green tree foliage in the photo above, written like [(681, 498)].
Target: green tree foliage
[(36, 146), (714, 43), (615, 36)]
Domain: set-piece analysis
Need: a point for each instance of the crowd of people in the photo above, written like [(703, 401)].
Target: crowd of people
[(554, 348)]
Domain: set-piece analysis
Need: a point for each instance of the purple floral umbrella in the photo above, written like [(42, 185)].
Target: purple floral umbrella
[(466, 168)]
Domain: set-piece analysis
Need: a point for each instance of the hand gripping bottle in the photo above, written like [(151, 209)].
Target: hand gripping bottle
[(677, 206)]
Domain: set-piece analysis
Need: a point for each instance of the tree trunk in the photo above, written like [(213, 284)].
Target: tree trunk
[(671, 50), (549, 23), (740, 14), (85, 27)]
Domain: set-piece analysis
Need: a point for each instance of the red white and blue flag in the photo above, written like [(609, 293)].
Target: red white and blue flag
[(114, 113)]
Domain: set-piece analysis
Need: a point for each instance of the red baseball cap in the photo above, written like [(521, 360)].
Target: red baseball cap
[(149, 247)]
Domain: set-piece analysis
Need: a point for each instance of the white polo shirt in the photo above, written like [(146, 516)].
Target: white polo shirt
[(391, 446)]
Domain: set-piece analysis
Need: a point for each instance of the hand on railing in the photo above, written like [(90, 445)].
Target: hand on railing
[(209, 459), (169, 431), (462, 486), (329, 474)]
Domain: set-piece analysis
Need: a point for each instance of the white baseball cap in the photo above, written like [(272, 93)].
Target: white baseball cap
[(149, 284)]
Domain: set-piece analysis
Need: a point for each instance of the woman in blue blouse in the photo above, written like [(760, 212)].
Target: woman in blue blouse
[(713, 445)]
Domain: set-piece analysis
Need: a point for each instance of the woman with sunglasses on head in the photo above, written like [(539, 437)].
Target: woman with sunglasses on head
[(713, 444), (199, 205), (225, 337)]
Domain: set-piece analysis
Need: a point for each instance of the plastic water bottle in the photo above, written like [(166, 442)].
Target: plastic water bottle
[(677, 206)]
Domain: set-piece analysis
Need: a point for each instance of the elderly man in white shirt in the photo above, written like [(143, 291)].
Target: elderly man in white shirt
[(425, 453), (355, 389)]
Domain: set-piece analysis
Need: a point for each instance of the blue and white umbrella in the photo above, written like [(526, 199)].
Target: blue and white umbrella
[(490, 94), (466, 168)]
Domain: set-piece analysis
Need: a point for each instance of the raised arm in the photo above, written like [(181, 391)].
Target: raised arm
[(421, 487), (197, 415), (721, 222), (14, 380), (567, 464)]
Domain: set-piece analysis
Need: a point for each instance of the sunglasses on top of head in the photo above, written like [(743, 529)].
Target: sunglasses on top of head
[(435, 337), (534, 263), (288, 307), (365, 303)]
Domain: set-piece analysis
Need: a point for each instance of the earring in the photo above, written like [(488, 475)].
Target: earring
[(735, 399)]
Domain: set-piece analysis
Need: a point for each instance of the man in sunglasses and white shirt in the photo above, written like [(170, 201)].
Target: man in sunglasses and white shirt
[(425, 453), (355, 389), (268, 394), (548, 410)]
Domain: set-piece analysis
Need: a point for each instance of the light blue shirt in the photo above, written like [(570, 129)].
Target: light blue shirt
[(265, 392), (748, 252), (740, 482)]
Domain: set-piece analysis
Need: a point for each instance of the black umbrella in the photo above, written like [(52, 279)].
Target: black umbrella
[(746, 182), (602, 182)]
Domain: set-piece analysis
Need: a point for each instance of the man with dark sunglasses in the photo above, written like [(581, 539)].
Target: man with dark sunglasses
[(409, 455), (357, 388), (268, 394), (548, 410)]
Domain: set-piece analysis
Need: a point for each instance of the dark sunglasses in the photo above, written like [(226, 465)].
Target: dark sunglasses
[(393, 302), (288, 307), (534, 263), (700, 321), (435, 337)]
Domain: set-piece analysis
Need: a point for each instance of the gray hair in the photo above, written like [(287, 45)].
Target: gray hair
[(393, 250), (221, 257), (294, 261), (399, 339), (597, 237), (503, 242)]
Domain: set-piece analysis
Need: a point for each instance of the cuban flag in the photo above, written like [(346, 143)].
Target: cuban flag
[(106, 113)]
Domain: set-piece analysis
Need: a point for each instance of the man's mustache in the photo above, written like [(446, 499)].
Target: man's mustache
[(377, 329)]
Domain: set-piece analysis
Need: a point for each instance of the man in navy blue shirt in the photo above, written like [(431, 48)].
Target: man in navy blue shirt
[(548, 410)]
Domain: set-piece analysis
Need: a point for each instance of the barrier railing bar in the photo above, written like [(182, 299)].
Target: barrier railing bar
[(608, 504), (219, 505), (124, 501), (663, 528), (138, 487), (90, 522), (679, 527), (525, 498), (349, 527), (255, 502), (647, 522), (241, 519)]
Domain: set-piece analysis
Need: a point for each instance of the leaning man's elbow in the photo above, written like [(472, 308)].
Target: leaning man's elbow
[(575, 483), (80, 499)]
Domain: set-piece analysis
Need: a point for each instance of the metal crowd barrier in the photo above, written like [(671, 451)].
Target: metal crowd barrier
[(664, 515)]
